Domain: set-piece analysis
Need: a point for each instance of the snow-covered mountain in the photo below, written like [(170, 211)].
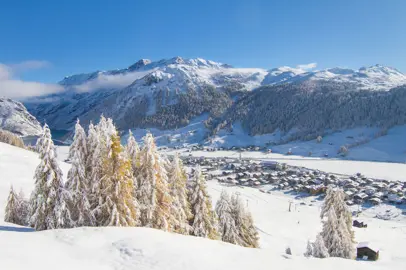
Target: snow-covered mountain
[(14, 117), (134, 94), (376, 77), (169, 93)]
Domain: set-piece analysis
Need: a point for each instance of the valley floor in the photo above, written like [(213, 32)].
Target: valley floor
[(142, 248)]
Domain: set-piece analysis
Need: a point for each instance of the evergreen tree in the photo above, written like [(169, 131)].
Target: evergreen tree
[(99, 153), (92, 140), (335, 199), (46, 196), (227, 227), (153, 192), (319, 250), (11, 213), (117, 205), (179, 192), (204, 221), (77, 184), (244, 223), (331, 235), (23, 209), (133, 151), (309, 249)]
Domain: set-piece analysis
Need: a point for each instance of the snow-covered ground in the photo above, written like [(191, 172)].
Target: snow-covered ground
[(364, 143), (142, 248)]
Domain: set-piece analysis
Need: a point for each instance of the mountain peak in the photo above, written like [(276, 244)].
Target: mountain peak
[(139, 64)]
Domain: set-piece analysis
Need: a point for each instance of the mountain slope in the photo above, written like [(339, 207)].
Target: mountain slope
[(133, 95), (376, 77), (14, 117), (170, 93)]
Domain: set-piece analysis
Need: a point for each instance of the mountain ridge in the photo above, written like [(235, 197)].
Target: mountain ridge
[(168, 93)]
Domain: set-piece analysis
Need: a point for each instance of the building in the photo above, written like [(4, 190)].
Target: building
[(366, 252)]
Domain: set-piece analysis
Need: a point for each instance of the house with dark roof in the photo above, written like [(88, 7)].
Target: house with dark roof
[(366, 252)]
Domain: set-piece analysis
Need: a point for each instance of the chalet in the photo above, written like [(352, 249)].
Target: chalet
[(366, 252), (375, 201), (349, 194), (378, 195), (271, 165), (370, 191), (349, 202), (360, 197)]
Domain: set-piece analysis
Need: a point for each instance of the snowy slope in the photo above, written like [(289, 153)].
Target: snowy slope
[(14, 117), (142, 248), (136, 89), (376, 77)]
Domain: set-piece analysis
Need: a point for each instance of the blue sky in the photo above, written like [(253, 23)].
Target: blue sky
[(68, 37)]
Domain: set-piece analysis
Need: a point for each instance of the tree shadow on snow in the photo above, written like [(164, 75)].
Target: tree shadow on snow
[(16, 229)]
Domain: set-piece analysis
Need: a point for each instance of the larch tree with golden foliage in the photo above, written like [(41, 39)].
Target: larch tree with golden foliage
[(179, 192), (204, 221), (117, 204)]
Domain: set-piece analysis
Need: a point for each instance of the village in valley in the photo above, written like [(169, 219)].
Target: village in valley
[(271, 175)]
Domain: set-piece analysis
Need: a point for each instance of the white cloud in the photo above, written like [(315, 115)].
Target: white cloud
[(104, 81), (29, 65), (15, 88), (307, 66), (5, 72)]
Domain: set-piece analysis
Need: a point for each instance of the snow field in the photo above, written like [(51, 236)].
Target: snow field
[(143, 248)]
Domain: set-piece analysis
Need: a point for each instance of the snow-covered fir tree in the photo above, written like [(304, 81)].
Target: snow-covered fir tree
[(153, 192), (318, 248), (23, 209), (77, 183), (309, 249), (179, 192), (92, 140), (46, 199), (227, 227), (204, 222), (336, 236), (245, 223), (11, 213), (133, 151), (99, 153), (117, 204), (334, 201)]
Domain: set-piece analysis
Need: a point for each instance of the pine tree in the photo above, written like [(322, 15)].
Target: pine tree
[(245, 224), (133, 151), (334, 201), (117, 205), (309, 249), (23, 210), (92, 140), (101, 144), (11, 212), (153, 192), (204, 222), (319, 250), (46, 196), (331, 236), (77, 184), (227, 227), (179, 192)]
